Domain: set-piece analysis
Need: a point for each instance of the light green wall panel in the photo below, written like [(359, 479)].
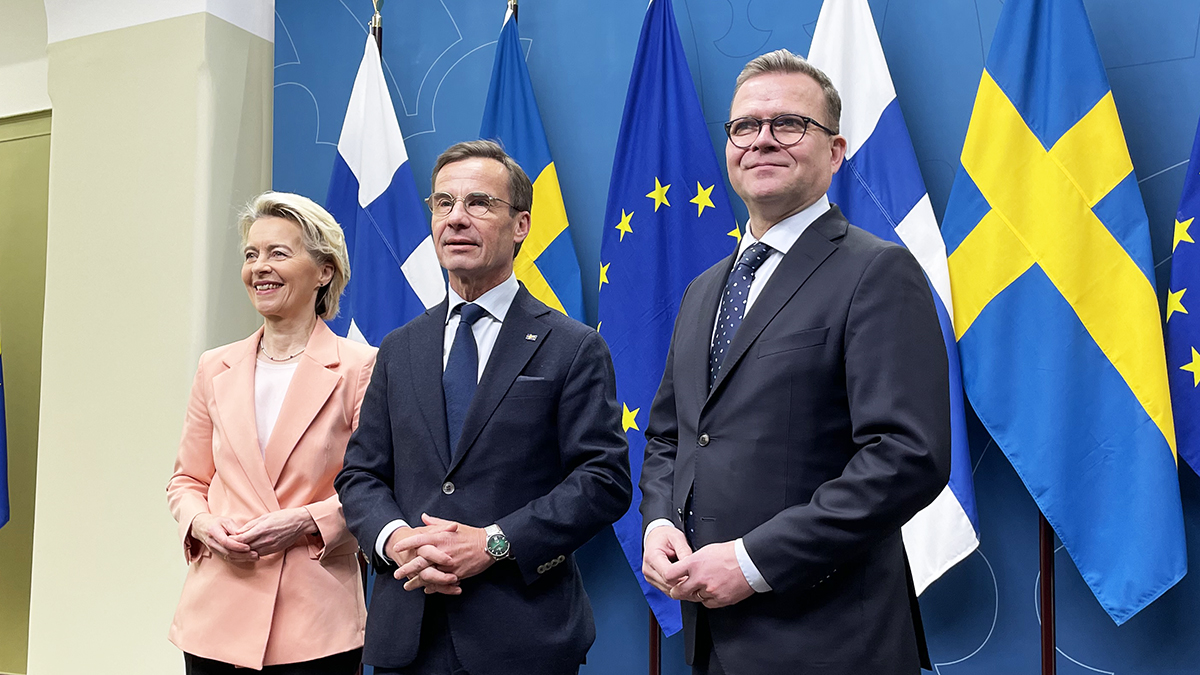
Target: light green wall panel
[(24, 181)]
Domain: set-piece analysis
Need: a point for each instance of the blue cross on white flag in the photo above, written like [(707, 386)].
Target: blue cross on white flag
[(394, 270), (879, 188)]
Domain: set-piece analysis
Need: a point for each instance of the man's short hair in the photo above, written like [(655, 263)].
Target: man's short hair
[(783, 61), (520, 189)]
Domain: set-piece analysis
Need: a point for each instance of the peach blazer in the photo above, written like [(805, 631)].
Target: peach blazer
[(295, 605)]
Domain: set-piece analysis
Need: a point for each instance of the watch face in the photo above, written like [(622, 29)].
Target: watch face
[(497, 546)]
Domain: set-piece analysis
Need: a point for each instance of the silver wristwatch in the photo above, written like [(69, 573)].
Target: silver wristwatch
[(497, 544)]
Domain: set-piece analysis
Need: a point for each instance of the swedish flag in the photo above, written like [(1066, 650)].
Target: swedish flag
[(1183, 327), (547, 263), (668, 220), (1054, 305)]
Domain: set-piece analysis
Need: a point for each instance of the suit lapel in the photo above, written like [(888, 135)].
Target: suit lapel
[(425, 346), (311, 386), (694, 356), (512, 351), (809, 251), (233, 394)]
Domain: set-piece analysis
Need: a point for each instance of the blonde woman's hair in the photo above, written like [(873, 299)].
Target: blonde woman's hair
[(322, 236)]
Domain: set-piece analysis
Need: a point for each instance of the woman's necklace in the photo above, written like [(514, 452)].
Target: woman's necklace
[(263, 348)]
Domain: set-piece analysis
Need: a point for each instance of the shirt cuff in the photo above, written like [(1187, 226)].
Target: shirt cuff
[(749, 570), (655, 524), (381, 540)]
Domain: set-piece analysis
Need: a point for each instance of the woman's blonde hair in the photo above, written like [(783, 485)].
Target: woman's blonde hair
[(322, 236)]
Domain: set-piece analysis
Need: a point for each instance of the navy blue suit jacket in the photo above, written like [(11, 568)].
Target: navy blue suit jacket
[(542, 454), (826, 430)]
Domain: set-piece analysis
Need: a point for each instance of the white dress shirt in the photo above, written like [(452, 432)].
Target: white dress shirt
[(495, 302), (780, 238)]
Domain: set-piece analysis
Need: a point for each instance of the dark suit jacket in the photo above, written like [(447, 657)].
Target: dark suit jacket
[(542, 454), (826, 430)]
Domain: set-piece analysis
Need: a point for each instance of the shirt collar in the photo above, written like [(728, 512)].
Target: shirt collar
[(495, 301), (784, 234)]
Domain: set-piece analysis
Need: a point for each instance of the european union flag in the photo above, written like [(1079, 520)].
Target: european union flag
[(880, 189), (668, 220), (1183, 328), (547, 263), (395, 273), (4, 513), (1055, 309)]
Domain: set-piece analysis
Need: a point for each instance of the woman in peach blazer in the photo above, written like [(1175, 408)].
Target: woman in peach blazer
[(273, 578)]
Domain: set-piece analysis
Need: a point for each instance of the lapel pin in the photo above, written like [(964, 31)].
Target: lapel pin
[(530, 336)]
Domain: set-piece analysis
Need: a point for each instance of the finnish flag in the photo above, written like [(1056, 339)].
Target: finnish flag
[(394, 270), (879, 188)]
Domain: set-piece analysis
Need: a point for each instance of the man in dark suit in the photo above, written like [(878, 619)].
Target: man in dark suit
[(803, 415), (489, 448)]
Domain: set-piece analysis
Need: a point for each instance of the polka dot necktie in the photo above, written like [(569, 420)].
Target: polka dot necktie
[(733, 305), (462, 373)]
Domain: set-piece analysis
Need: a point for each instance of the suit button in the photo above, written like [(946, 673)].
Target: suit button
[(448, 488), (541, 569), (703, 440), (560, 558)]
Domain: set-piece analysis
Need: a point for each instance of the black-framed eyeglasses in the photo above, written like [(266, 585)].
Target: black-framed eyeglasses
[(787, 130), (477, 204)]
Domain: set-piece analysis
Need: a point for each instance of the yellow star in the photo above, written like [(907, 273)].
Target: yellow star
[(598, 324), (1175, 303), (629, 418), (702, 199), (623, 226), (604, 275), (1193, 367), (1181, 232), (659, 195), (736, 234)]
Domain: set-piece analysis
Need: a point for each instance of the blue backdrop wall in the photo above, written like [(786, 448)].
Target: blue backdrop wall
[(982, 617)]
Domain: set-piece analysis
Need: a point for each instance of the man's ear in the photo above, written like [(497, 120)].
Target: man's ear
[(522, 230), (837, 152)]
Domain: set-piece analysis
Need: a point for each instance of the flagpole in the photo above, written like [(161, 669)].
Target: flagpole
[(376, 26), (512, 4), (655, 646), (1046, 591)]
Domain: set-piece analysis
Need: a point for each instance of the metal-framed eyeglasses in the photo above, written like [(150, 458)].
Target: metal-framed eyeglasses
[(787, 130), (477, 204)]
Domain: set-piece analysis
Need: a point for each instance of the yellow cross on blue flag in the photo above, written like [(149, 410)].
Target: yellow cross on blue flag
[(547, 263), (668, 220), (1183, 327), (1054, 305)]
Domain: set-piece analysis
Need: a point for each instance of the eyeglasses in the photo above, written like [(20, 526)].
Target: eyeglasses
[(787, 130), (477, 204)]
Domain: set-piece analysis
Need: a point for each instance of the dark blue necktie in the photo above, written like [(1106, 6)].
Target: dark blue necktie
[(733, 305), (461, 374)]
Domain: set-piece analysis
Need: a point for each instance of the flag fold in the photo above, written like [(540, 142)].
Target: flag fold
[(1055, 311), (879, 188), (1183, 327), (668, 219), (546, 263), (395, 273)]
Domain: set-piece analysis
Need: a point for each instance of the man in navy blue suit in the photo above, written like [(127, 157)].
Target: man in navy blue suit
[(803, 416), (489, 448)]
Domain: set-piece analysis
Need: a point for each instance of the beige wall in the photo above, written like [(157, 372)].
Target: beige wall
[(24, 179), (22, 57), (161, 131)]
